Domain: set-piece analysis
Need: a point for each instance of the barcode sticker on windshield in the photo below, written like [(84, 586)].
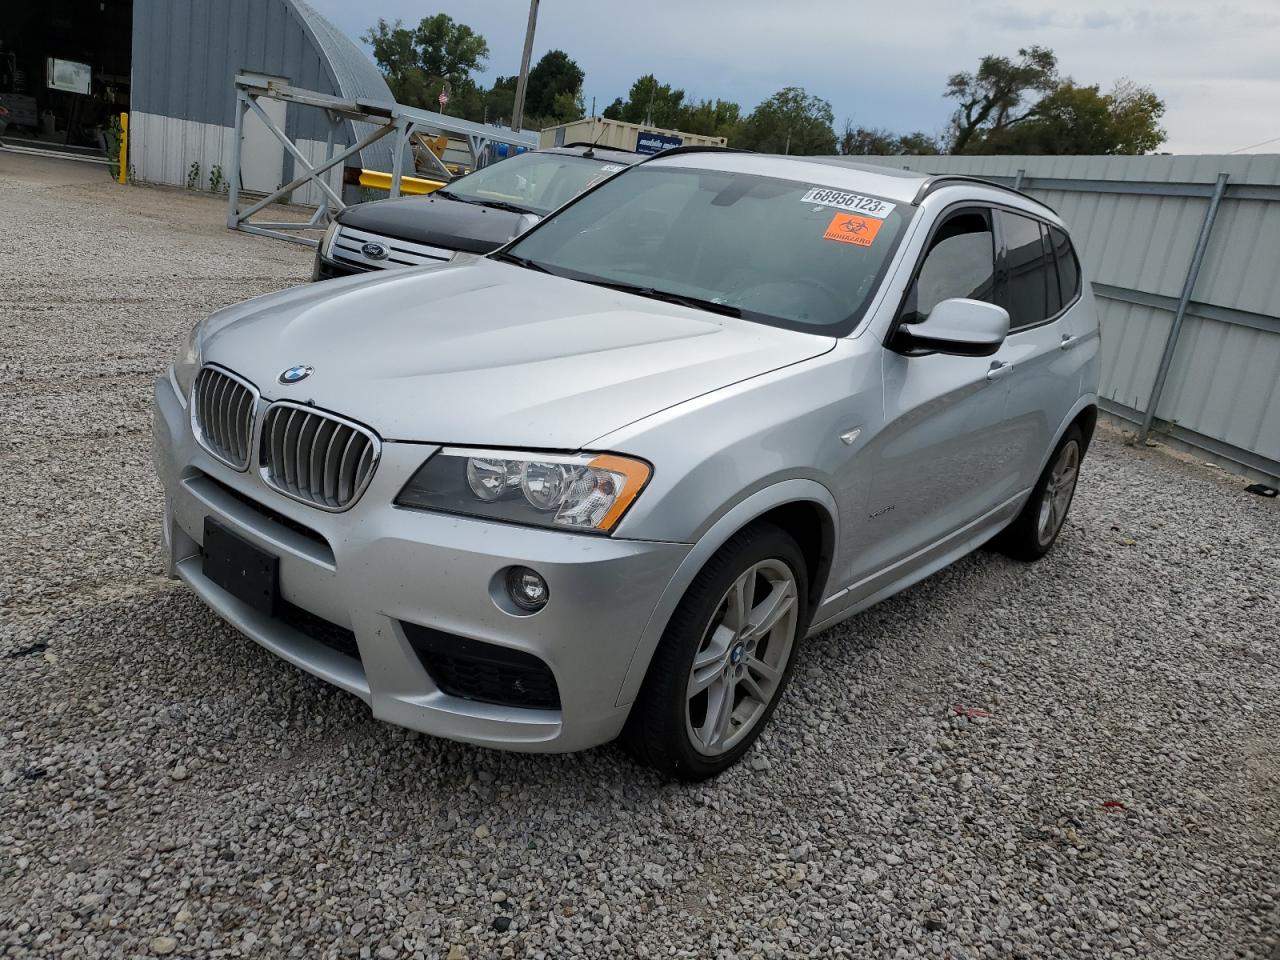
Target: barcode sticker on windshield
[(867, 206), (612, 167)]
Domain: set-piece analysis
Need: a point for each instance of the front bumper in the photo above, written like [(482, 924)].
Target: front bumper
[(377, 568), (326, 269)]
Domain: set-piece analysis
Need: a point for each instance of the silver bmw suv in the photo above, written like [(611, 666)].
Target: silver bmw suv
[(603, 482)]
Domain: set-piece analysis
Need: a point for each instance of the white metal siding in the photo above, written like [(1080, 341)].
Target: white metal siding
[(1222, 384)]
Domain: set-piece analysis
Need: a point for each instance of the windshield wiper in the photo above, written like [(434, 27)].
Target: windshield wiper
[(504, 205), (666, 296), (521, 262), (496, 204)]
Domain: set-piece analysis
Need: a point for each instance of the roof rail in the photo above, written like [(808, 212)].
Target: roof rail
[(947, 179), (695, 148)]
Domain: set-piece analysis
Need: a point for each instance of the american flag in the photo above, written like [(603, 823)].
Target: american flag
[(444, 97)]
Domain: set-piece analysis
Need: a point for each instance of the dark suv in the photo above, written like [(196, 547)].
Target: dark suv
[(473, 214)]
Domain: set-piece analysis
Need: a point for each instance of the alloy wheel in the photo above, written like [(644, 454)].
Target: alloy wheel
[(1058, 492), (742, 658)]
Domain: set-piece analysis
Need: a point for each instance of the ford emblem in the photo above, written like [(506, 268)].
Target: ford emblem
[(375, 251), (297, 374)]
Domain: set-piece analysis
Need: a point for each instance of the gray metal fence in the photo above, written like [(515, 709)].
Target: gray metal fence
[(1184, 255)]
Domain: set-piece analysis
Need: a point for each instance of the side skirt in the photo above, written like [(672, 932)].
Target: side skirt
[(925, 562)]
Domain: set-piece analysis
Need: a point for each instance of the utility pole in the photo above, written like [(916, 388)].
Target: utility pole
[(517, 111)]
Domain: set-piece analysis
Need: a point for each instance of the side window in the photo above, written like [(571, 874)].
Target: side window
[(1054, 294), (1068, 267), (960, 263), (1029, 269)]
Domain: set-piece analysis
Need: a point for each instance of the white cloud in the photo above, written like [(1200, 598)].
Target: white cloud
[(886, 65)]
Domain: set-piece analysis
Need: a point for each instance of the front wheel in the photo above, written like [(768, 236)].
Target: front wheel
[(724, 659), (1036, 528)]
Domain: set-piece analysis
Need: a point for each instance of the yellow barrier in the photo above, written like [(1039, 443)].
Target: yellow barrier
[(382, 181), (123, 174)]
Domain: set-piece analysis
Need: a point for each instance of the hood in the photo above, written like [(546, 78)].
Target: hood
[(454, 224), (490, 354)]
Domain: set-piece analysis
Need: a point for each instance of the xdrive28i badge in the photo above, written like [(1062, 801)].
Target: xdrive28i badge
[(297, 374)]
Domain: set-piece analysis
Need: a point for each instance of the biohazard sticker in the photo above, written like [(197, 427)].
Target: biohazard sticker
[(851, 228), (867, 206)]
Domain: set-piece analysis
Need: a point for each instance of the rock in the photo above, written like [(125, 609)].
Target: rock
[(163, 946)]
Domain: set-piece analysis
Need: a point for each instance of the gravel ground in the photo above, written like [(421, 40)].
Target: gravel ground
[(167, 787)]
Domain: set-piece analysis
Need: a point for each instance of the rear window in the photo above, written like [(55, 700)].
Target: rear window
[(1068, 268)]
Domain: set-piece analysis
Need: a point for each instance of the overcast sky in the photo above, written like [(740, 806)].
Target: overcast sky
[(885, 64)]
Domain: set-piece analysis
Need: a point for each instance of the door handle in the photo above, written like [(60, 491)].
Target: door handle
[(1068, 341), (999, 368)]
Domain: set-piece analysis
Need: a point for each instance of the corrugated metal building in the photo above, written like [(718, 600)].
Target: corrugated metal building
[(186, 54), (1136, 221)]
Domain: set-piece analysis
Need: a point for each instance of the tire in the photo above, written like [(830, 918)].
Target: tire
[(682, 734), (1035, 530)]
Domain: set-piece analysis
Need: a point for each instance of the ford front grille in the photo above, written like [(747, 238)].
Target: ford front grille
[(316, 457), (222, 414), (350, 245)]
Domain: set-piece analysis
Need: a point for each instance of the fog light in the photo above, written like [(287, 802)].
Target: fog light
[(527, 588)]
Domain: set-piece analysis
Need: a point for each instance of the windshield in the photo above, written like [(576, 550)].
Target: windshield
[(788, 252), (536, 182)]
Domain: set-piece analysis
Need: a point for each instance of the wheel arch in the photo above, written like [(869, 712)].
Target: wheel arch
[(804, 508)]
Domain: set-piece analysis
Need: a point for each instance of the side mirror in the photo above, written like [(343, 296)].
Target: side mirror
[(965, 328)]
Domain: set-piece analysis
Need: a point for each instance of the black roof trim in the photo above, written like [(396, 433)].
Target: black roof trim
[(694, 148), (947, 179), (594, 146)]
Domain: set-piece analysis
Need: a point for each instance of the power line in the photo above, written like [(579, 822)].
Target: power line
[(1253, 145)]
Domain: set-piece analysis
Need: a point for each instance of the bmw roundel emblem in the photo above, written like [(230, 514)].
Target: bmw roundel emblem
[(375, 251), (297, 374)]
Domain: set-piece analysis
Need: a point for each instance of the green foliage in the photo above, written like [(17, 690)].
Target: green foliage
[(1083, 120), (193, 177), (552, 79), (712, 118), (995, 95), (877, 141), (217, 180), (113, 135), (417, 62), (791, 121), (654, 104)]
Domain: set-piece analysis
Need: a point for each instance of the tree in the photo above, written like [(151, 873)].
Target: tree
[(552, 77), (417, 63), (567, 106), (653, 104), (879, 142), (711, 118), (614, 110), (500, 101), (995, 96), (791, 121), (1083, 120), (447, 49)]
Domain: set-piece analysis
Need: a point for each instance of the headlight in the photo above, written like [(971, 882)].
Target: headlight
[(327, 240), (187, 363), (585, 492)]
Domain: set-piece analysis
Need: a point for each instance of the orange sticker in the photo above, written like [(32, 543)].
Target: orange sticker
[(851, 228)]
